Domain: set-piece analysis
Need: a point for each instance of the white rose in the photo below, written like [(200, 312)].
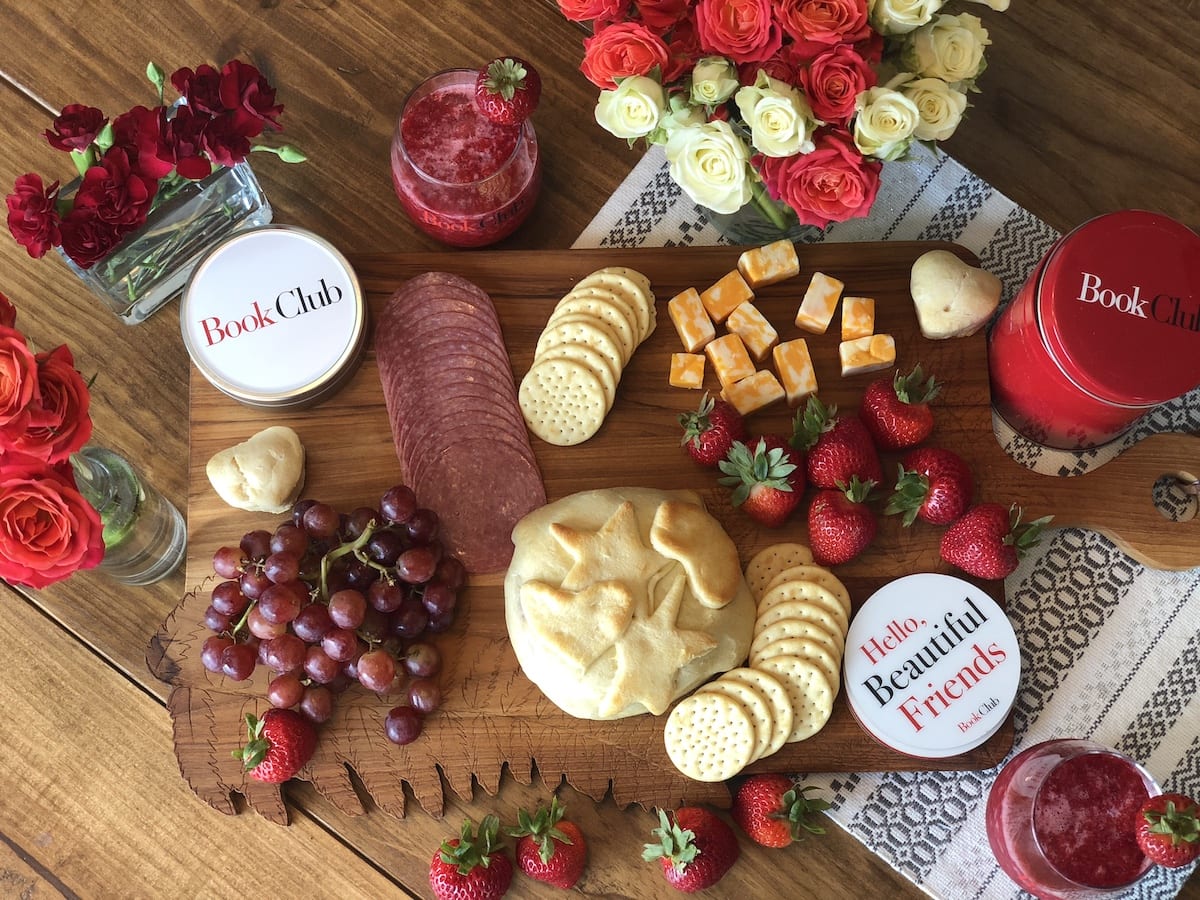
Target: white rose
[(885, 123), (901, 16), (714, 79), (949, 48), (711, 164), (633, 110), (678, 114), (941, 107), (780, 119)]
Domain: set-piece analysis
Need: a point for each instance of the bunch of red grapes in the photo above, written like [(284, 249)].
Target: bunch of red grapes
[(329, 599)]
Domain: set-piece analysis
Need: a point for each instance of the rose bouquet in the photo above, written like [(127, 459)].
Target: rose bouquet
[(792, 105), (47, 529), (131, 164)]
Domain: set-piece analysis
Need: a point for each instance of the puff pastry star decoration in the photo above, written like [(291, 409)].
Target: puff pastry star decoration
[(615, 551), (564, 620)]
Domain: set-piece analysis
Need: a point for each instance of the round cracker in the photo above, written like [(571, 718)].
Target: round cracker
[(592, 359), (806, 592), (563, 402), (817, 575), (619, 322), (801, 609), (805, 648), (625, 303), (634, 285), (776, 696), (809, 691), (579, 329), (785, 628), (772, 560), (754, 704), (709, 737)]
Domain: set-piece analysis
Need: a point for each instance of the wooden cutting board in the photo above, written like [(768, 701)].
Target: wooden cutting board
[(492, 715)]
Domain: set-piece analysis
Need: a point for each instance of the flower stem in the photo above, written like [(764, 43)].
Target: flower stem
[(767, 206)]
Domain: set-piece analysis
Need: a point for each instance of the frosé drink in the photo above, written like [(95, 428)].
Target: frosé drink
[(463, 179), (1061, 819)]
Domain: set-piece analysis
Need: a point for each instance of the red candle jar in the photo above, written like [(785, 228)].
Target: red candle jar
[(1106, 328), (463, 179)]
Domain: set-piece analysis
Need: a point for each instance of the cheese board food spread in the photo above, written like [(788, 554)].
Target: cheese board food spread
[(274, 317)]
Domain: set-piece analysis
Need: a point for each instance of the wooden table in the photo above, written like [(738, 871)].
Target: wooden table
[(1086, 108)]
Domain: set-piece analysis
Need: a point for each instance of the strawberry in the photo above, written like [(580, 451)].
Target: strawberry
[(277, 745), (695, 851), (896, 410), (840, 524), (773, 809), (767, 481), (1168, 830), (549, 848), (989, 540), (471, 867), (507, 90), (839, 447), (934, 485), (710, 431)]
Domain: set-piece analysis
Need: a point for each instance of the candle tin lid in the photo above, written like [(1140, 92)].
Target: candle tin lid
[(932, 666), (1119, 307), (274, 317)]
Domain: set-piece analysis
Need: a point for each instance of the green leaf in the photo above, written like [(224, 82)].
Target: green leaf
[(104, 139), (157, 77), (287, 152)]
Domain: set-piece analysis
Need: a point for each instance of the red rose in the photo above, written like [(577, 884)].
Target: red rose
[(8, 313), (586, 10), (201, 89), (684, 50), (139, 133), (743, 30), (618, 51), (224, 143), (47, 530), (32, 216), (832, 184), (832, 82), (824, 21), (60, 423), (781, 67), (183, 142), (19, 393), (75, 127), (250, 97), (118, 194), (662, 14), (86, 238)]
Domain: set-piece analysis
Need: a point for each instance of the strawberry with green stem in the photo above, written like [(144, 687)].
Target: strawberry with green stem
[(1168, 830), (549, 847), (840, 524), (767, 480), (471, 866), (896, 410), (711, 429), (695, 849), (989, 540), (277, 746), (507, 90), (837, 447), (933, 484), (775, 810)]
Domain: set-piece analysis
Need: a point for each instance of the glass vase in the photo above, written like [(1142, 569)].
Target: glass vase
[(152, 264), (763, 221), (144, 534)]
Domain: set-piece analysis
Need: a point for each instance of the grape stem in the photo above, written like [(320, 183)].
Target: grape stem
[(338, 552)]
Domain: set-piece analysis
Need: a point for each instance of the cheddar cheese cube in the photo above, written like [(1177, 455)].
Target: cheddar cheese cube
[(795, 368), (867, 354), (754, 392), (769, 264), (687, 370), (820, 301), (752, 327), (858, 317), (726, 295), (729, 359), (692, 324)]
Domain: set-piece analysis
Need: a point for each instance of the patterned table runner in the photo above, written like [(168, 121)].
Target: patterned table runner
[(1111, 649)]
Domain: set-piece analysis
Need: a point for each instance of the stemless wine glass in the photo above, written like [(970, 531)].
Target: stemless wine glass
[(1061, 819), (462, 179)]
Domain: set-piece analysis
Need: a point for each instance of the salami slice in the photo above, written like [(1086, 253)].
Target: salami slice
[(456, 423)]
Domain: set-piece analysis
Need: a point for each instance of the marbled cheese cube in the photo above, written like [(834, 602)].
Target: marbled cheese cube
[(729, 359), (692, 324), (769, 264), (858, 317), (687, 370), (752, 327), (795, 368), (867, 354), (820, 301), (754, 392), (726, 295)]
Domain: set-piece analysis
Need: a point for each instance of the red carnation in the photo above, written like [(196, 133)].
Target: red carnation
[(86, 238), (832, 184), (250, 97), (225, 143), (183, 140), (117, 193), (201, 89), (32, 216), (139, 133), (75, 127)]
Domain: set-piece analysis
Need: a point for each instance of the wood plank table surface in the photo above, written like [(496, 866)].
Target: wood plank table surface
[(1085, 108)]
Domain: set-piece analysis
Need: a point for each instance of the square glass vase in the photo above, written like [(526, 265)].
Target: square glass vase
[(152, 265)]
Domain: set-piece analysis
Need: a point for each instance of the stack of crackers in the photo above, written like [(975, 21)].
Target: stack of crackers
[(785, 692), (583, 350)]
